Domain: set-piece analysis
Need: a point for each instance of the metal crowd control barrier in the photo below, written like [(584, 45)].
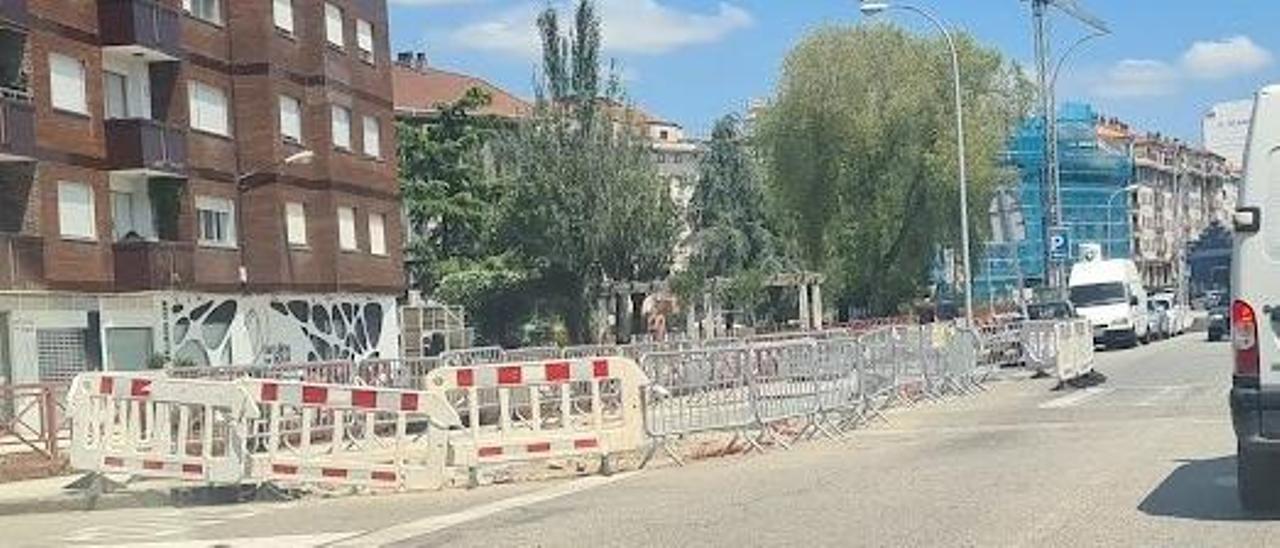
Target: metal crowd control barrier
[(783, 381), (550, 409), (842, 385), (694, 391), (343, 435), (192, 430), (471, 356)]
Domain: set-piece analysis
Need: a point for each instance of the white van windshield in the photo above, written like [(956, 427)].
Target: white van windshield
[(1098, 294)]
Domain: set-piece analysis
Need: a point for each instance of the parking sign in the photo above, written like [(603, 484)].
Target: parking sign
[(1059, 243)]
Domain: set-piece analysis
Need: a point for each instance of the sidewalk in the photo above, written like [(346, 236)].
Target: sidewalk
[(48, 495)]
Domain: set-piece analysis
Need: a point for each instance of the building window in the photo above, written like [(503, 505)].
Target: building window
[(290, 119), (347, 229), (75, 211), (217, 221), (115, 94), (66, 84), (295, 216), (341, 127), (333, 25), (208, 10), (364, 39), (377, 234), (282, 13), (372, 137), (208, 108)]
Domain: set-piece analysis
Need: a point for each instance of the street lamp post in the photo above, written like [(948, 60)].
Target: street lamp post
[(1111, 200), (303, 157), (875, 8)]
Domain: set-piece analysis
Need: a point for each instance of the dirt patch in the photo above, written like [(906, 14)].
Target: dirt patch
[(30, 465)]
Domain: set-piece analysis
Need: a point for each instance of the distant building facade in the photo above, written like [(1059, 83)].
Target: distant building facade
[(1225, 130)]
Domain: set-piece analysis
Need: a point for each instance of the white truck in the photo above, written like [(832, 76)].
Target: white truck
[(1109, 293)]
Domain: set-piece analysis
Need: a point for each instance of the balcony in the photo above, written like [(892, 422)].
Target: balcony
[(21, 261), (17, 126), (14, 12), (141, 27), (143, 265), (146, 146)]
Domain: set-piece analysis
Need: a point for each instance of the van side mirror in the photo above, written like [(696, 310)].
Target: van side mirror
[(1247, 220), (1133, 300)]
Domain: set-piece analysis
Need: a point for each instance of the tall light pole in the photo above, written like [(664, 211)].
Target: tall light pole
[(874, 8), (1110, 200)]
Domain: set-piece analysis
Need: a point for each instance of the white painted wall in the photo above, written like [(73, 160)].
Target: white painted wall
[(139, 81)]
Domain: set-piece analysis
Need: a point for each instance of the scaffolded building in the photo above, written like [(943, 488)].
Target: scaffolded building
[(1095, 169)]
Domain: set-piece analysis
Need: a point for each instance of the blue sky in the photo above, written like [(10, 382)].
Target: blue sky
[(691, 61)]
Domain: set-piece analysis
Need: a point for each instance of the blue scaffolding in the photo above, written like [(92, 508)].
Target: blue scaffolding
[(1095, 209)]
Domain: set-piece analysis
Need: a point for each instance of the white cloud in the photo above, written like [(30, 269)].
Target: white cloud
[(627, 26), (1132, 78), (1219, 59)]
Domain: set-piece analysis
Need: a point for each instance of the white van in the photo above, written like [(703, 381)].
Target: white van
[(1110, 294), (1255, 310)]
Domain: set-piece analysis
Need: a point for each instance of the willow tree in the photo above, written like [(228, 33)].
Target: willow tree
[(859, 143)]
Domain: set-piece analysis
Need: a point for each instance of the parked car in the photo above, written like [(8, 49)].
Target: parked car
[(1160, 319), (1219, 324), (1051, 310)]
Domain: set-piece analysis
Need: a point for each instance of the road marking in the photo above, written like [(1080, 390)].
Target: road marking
[(1072, 400), (426, 526), (307, 541)]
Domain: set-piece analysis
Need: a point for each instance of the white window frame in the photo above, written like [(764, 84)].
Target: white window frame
[(282, 15), (377, 234), (290, 123), (67, 91), (347, 240), (211, 12), (372, 131), (364, 40), (115, 80), (334, 26), (340, 127), (219, 206), (207, 120), (295, 224), (71, 218)]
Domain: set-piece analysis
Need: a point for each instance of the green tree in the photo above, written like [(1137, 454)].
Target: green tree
[(859, 143), (732, 233), (585, 202)]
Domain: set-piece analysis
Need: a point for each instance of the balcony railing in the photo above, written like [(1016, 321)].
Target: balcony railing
[(141, 266), (14, 12), (17, 125), (135, 143), (21, 261), (142, 23)]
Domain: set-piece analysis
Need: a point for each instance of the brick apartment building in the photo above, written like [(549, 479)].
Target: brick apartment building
[(206, 181)]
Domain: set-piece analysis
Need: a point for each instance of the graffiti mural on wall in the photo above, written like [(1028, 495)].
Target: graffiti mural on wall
[(209, 329)]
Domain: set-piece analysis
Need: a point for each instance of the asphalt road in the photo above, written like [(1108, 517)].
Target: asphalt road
[(1145, 459)]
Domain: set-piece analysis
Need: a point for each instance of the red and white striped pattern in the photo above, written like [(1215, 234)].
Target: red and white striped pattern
[(187, 469), (532, 449), (346, 397), (122, 387), (494, 376), (374, 476)]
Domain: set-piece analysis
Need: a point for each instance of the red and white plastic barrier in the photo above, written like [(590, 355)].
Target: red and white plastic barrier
[(158, 427), (540, 410), (349, 435)]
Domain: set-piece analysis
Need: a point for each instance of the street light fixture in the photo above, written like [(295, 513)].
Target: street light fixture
[(300, 158), (870, 9), (1111, 200)]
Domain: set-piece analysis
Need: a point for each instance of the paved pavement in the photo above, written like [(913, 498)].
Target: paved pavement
[(1145, 459)]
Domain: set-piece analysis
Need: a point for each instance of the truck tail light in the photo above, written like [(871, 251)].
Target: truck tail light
[(1244, 339)]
